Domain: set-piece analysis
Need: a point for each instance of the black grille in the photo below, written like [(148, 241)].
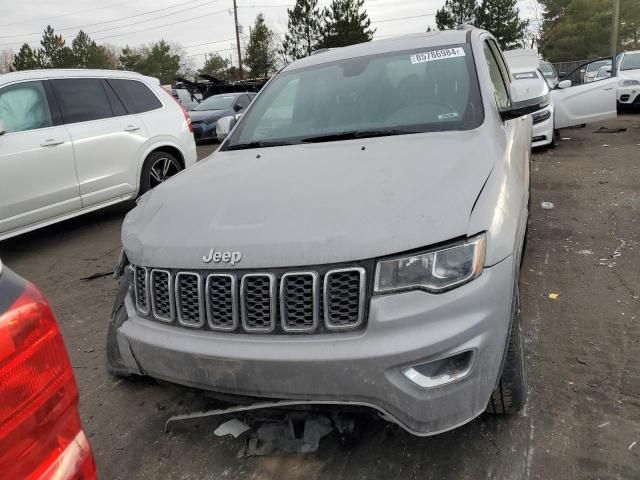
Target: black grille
[(278, 302), (220, 302), (258, 310), (343, 307), (161, 294), (298, 302), (141, 289), (188, 299)]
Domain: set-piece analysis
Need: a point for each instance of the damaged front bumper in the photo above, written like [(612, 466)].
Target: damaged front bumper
[(368, 368)]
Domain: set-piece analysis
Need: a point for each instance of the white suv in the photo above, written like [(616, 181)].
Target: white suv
[(73, 141)]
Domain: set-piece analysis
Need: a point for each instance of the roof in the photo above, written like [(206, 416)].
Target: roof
[(388, 45), (71, 73)]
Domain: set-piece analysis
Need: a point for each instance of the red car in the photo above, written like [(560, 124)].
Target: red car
[(41, 436)]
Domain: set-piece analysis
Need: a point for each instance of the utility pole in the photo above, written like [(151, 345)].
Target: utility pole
[(614, 27), (235, 16)]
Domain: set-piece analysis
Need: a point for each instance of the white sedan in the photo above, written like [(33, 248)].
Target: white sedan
[(570, 104), (628, 79)]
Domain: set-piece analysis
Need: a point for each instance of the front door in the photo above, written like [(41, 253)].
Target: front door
[(37, 168), (586, 103)]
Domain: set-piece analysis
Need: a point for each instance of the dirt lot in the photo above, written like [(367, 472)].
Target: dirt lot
[(583, 349)]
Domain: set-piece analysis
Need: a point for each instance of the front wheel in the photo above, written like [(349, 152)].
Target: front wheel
[(158, 168), (511, 393)]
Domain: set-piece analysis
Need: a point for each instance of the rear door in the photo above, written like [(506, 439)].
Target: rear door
[(37, 167), (107, 141), (584, 103)]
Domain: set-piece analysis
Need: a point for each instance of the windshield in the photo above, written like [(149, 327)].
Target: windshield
[(390, 94), (547, 70), (595, 66), (217, 102), (631, 61)]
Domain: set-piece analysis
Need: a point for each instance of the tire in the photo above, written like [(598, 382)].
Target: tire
[(621, 108), (554, 138), (113, 358), (511, 393), (158, 167)]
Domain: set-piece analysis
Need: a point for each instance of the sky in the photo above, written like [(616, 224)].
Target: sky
[(201, 26)]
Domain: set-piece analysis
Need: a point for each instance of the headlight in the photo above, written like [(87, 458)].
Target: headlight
[(628, 83), (434, 271), (541, 116)]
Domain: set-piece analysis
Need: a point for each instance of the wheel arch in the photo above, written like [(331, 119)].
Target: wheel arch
[(167, 147)]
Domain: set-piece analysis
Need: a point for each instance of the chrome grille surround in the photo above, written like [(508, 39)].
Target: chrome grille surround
[(215, 307), (159, 306), (338, 312), (280, 302), (252, 291), (140, 282), (190, 313), (298, 305)]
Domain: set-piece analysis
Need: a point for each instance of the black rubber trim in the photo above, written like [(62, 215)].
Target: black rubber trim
[(11, 287)]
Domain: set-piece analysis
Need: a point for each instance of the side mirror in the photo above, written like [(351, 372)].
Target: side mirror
[(564, 84), (3, 129), (224, 127), (524, 107)]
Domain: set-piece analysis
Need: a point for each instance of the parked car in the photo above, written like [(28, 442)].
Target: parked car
[(206, 114), (41, 436), (186, 98), (364, 250), (569, 105), (591, 70), (533, 81), (549, 73), (73, 141), (629, 79), (603, 72)]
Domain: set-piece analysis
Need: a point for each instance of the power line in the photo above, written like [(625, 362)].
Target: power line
[(82, 27), (164, 25), (68, 14), (209, 43), (403, 18)]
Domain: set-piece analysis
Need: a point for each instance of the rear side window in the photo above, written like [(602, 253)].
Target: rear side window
[(136, 96), (24, 107), (82, 99)]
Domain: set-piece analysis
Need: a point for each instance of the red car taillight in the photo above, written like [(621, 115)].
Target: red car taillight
[(41, 436)]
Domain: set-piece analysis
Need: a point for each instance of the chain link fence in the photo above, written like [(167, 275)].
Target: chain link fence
[(567, 67)]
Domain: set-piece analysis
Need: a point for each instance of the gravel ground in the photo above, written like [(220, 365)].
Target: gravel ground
[(583, 348)]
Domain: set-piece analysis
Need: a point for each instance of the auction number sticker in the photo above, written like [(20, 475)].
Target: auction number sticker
[(437, 55)]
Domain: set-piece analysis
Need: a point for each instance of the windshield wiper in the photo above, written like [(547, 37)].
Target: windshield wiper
[(261, 144), (356, 134)]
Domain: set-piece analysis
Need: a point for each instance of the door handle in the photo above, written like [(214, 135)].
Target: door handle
[(608, 89), (51, 143), (131, 128)]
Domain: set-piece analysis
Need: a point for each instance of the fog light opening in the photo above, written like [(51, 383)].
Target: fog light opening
[(442, 371)]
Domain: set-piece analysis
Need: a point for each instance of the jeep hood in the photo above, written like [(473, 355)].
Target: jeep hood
[(313, 204)]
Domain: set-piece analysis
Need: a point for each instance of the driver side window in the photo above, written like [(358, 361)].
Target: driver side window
[(24, 106), (497, 79)]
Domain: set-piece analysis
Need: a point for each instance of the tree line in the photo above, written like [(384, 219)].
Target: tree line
[(562, 30)]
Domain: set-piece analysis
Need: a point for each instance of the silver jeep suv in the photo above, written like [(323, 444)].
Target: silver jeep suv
[(356, 240)]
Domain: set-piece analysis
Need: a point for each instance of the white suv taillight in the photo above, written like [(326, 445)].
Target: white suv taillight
[(41, 436)]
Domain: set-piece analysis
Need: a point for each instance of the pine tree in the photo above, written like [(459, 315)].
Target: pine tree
[(502, 19), (455, 12), (54, 53), (304, 29), (261, 53), (215, 66), (88, 54), (27, 59), (345, 24)]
